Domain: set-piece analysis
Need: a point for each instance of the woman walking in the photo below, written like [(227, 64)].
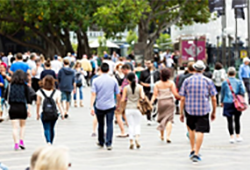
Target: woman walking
[(48, 90), (36, 73), (164, 91), (219, 75), (48, 70), (19, 100), (229, 110), (133, 92), (79, 77)]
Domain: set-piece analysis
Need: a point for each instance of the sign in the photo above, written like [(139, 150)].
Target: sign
[(195, 49), (243, 53), (239, 4), (216, 5)]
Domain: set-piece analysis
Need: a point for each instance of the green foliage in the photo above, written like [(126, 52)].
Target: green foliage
[(164, 42), (102, 46), (131, 39)]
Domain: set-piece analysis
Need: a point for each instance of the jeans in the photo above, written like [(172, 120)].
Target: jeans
[(134, 120), (101, 114), (49, 132), (218, 88), (247, 85), (80, 92)]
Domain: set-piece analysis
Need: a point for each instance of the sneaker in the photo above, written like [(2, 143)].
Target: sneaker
[(239, 139), (109, 148), (149, 123), (66, 116), (21, 144), (93, 135), (231, 140), (98, 144), (16, 147), (187, 135), (196, 159), (191, 154)]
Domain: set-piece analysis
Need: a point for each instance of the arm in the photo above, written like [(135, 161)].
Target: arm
[(58, 103), (222, 92), (182, 104), (92, 101), (214, 103), (124, 95), (155, 94), (38, 103), (242, 89), (142, 94), (34, 71), (1, 81), (174, 91), (240, 72)]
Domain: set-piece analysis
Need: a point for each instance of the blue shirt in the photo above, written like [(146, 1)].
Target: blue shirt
[(197, 90), (244, 71), (105, 88), (1, 81), (19, 66), (226, 94)]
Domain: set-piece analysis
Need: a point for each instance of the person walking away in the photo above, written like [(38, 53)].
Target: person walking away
[(79, 80), (47, 70), (19, 65), (132, 94), (111, 64), (163, 92), (32, 61), (207, 73), (56, 65), (50, 97), (195, 94), (148, 79), (244, 75), (19, 100), (227, 102), (86, 67), (36, 73), (66, 79), (119, 74), (219, 75), (115, 57), (104, 89)]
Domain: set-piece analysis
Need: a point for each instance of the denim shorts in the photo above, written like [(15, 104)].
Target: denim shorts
[(66, 96)]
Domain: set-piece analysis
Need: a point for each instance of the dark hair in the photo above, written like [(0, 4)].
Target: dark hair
[(19, 56), (32, 56), (66, 62), (207, 69), (165, 74), (37, 60), (47, 63), (190, 66), (126, 67), (19, 77), (104, 67), (131, 78), (48, 82), (218, 66)]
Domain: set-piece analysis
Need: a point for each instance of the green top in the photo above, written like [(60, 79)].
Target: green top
[(138, 74)]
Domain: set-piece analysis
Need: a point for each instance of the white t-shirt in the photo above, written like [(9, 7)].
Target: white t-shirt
[(111, 66), (38, 73), (56, 96), (56, 66), (170, 62)]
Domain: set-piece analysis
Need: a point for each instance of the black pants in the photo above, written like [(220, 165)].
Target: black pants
[(247, 85), (35, 84), (236, 120), (87, 77), (218, 88)]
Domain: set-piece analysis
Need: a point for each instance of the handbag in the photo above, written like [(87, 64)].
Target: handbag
[(239, 100), (144, 106)]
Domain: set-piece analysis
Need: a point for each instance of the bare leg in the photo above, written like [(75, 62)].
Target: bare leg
[(120, 123), (162, 135), (192, 138), (125, 119), (15, 130), (94, 124), (199, 141), (67, 107), (169, 129), (22, 129)]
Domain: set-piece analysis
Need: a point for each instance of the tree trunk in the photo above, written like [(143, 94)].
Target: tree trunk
[(83, 44)]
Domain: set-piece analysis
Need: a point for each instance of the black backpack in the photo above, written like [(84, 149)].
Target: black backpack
[(50, 112)]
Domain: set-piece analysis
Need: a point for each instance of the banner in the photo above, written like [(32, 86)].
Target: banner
[(239, 4), (195, 49), (216, 5), (239, 13)]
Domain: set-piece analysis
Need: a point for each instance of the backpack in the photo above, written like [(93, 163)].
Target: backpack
[(78, 79), (92, 64), (50, 112)]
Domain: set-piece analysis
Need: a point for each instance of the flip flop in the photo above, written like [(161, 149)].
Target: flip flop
[(122, 136)]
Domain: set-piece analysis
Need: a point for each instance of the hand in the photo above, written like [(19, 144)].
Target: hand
[(37, 117), (92, 112), (213, 116), (74, 91), (182, 118), (222, 104), (28, 113), (3, 73)]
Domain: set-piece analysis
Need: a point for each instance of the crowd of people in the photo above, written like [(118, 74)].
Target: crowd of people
[(118, 84)]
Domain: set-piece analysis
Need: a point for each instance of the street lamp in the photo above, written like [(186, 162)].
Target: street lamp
[(218, 41)]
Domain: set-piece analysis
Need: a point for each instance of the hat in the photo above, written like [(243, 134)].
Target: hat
[(55, 57), (199, 65), (231, 70), (246, 59)]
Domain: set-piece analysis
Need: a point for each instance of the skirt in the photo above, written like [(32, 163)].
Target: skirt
[(18, 111), (229, 110), (166, 112)]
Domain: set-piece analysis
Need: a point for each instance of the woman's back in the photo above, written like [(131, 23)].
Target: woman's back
[(164, 89), (133, 98)]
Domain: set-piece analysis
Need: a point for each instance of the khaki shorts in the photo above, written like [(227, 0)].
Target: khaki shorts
[(121, 109)]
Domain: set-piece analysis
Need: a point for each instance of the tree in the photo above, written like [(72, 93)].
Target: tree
[(164, 42), (163, 14), (131, 39)]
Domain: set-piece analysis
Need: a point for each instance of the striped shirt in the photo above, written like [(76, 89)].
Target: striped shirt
[(197, 90)]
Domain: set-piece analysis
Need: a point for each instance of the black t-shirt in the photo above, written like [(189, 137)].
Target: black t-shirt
[(48, 72)]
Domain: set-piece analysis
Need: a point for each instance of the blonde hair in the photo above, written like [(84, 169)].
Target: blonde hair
[(35, 156), (77, 63), (53, 158)]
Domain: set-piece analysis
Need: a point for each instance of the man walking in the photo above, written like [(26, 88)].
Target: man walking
[(196, 91), (66, 79), (104, 89), (244, 75)]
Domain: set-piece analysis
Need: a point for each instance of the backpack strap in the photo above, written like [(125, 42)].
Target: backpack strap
[(52, 94), (43, 93), (231, 88)]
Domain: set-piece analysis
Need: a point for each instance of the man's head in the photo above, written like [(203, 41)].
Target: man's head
[(231, 71), (55, 57), (199, 66), (68, 54), (149, 64), (19, 56), (105, 68), (246, 61), (66, 62), (126, 69), (190, 67), (33, 57), (85, 56)]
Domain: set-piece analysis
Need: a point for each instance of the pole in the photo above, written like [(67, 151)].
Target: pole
[(224, 25), (236, 36), (248, 22)]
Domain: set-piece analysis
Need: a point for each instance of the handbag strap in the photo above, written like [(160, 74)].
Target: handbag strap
[(231, 88)]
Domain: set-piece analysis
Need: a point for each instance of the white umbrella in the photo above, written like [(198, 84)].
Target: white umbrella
[(109, 44)]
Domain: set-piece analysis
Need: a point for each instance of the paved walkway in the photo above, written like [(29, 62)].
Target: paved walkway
[(75, 134)]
